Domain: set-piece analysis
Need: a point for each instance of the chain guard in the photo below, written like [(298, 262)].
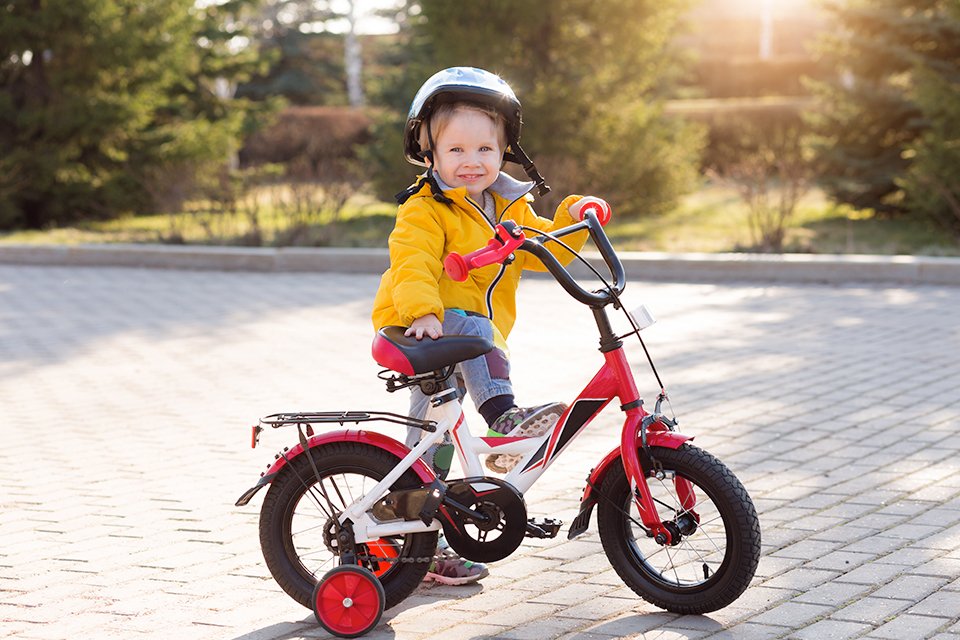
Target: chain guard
[(490, 539)]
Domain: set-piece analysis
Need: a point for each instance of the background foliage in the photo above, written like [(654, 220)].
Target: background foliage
[(236, 109), (102, 100), (887, 127)]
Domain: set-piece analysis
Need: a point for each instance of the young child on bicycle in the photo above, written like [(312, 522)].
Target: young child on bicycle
[(463, 124)]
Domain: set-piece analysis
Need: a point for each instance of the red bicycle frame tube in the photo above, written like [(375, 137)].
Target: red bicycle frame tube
[(615, 379)]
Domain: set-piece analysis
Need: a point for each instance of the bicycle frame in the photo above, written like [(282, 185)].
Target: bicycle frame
[(613, 380)]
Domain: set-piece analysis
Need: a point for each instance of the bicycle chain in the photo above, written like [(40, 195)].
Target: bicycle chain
[(365, 557)]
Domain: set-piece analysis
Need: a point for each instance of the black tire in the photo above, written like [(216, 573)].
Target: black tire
[(293, 521), (712, 564)]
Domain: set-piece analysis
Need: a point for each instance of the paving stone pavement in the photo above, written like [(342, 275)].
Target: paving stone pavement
[(126, 397)]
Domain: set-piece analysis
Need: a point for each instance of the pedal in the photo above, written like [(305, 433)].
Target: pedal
[(544, 528)]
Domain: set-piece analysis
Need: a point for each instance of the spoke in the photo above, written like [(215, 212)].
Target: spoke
[(670, 492), (317, 571), (711, 520), (337, 489), (693, 555), (313, 554), (315, 496), (663, 504), (709, 538), (301, 532), (694, 552), (628, 512), (672, 565), (660, 549)]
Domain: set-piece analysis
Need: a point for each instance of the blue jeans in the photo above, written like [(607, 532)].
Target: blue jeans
[(483, 377)]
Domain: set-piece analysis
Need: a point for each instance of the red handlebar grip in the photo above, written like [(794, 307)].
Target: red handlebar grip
[(602, 213), (456, 266)]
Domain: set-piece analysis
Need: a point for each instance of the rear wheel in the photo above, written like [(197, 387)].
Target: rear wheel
[(297, 526), (715, 541)]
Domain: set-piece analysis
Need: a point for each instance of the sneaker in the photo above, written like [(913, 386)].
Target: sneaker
[(449, 568), (522, 423)]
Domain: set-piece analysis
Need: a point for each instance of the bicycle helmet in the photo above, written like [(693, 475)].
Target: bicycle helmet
[(473, 85)]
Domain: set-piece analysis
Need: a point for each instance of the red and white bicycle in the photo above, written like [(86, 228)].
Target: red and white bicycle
[(349, 524)]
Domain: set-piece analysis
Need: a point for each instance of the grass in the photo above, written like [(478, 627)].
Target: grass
[(711, 220), (714, 220), (362, 223)]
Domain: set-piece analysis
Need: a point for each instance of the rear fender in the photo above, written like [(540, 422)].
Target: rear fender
[(371, 438), (655, 438)]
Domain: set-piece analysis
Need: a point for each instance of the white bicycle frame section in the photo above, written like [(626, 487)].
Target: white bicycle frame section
[(449, 417)]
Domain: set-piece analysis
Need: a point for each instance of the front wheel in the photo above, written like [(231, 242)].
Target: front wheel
[(713, 523)]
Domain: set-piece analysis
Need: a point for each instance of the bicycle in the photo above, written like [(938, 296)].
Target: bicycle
[(350, 522)]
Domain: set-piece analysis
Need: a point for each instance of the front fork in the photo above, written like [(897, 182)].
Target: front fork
[(635, 430)]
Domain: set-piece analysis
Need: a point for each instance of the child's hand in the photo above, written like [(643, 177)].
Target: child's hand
[(428, 324), (576, 209)]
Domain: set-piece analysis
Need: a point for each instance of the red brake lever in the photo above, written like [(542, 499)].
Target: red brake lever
[(507, 237)]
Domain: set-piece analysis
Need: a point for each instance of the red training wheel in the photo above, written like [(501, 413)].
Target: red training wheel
[(348, 601)]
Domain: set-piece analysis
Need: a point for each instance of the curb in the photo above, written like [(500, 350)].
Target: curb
[(688, 267)]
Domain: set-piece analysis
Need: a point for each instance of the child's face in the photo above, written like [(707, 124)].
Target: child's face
[(468, 152)]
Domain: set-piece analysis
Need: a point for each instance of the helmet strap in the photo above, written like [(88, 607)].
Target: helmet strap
[(431, 176), (531, 169)]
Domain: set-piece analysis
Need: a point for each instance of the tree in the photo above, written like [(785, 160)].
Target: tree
[(878, 119), (314, 51), (763, 156), (590, 75), (98, 95), (305, 61), (932, 183)]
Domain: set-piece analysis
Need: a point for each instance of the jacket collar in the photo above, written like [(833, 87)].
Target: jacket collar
[(505, 186)]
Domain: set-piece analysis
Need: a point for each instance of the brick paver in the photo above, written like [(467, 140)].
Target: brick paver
[(126, 397)]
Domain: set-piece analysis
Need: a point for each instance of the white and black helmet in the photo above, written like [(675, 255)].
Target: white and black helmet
[(469, 84)]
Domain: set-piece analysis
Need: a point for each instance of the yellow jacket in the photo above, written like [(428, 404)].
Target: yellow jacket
[(427, 230)]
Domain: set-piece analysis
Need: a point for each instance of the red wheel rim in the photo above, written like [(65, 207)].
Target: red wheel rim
[(348, 601), (382, 548)]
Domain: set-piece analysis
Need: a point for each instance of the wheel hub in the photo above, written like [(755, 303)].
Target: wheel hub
[(687, 524), (676, 536)]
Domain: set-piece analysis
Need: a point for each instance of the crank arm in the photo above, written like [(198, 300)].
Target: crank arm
[(456, 506)]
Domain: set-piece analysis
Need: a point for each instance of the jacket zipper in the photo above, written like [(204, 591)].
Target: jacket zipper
[(503, 267)]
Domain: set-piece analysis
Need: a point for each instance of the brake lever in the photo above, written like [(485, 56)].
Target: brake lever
[(507, 237)]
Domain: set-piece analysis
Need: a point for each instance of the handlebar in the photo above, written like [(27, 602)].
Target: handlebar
[(509, 237)]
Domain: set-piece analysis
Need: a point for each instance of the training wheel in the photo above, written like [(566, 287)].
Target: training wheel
[(348, 601)]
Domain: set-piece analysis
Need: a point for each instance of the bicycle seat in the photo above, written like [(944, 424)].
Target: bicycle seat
[(407, 355)]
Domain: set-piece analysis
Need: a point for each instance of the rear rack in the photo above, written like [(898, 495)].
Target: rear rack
[(278, 420)]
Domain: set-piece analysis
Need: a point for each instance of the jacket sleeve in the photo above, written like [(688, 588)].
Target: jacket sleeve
[(561, 219), (416, 252)]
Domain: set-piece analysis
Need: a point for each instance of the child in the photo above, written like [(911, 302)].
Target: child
[(462, 125)]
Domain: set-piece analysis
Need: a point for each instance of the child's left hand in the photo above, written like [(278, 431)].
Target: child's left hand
[(429, 324)]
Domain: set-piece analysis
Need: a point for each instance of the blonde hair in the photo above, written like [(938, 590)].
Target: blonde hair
[(441, 116)]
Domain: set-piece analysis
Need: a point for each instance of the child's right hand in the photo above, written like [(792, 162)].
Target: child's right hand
[(428, 324)]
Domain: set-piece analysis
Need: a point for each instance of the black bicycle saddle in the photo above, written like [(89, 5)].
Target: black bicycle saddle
[(407, 355)]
